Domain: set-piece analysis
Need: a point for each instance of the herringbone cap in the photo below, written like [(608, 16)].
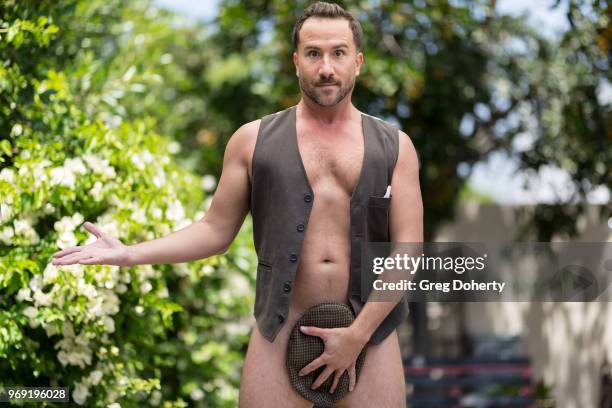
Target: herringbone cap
[(302, 349)]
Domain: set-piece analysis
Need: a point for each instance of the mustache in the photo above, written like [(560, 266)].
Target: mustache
[(327, 83)]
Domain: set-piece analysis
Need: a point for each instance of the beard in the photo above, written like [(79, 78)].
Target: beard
[(314, 92)]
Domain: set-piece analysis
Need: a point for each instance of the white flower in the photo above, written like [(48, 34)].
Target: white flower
[(50, 329), (75, 165), (126, 277), (209, 182), (174, 147), (110, 304), (239, 284), (30, 312), (99, 166), (50, 273), (21, 226), (157, 213), (138, 215), (17, 129), (66, 240), (48, 208), (139, 309), (67, 329), (8, 175), (74, 351), (175, 211), (62, 356), (147, 156), (36, 283), (197, 394), (121, 288), (41, 299), (114, 405), (145, 272), (166, 59), (110, 324), (39, 173), (81, 340), (80, 393), (155, 398), (243, 264), (146, 287), (76, 270), (23, 294), (86, 289), (24, 228), (236, 329), (77, 218), (207, 270), (6, 211), (160, 178), (62, 176), (96, 191), (95, 376), (6, 235), (181, 269), (138, 161)]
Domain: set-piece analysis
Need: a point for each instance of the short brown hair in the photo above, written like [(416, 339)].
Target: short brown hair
[(328, 10)]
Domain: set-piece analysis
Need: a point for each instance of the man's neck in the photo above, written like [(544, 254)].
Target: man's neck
[(328, 115)]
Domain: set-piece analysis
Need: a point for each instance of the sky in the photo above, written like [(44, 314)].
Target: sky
[(497, 176)]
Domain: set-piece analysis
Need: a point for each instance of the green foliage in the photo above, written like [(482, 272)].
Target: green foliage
[(80, 142)]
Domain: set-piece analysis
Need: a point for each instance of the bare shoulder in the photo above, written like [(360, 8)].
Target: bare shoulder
[(407, 152), (242, 144)]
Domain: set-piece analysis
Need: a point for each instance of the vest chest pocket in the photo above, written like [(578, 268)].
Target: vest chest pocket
[(378, 219), (262, 285)]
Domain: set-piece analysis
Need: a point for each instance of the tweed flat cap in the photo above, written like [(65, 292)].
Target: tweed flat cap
[(302, 349)]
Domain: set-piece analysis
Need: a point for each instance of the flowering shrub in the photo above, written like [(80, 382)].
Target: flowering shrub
[(164, 335)]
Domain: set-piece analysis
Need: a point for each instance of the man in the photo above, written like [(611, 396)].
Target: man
[(314, 178)]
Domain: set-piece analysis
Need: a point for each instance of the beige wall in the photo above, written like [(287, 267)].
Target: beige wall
[(567, 342)]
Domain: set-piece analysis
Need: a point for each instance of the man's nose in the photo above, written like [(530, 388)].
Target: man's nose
[(326, 69)]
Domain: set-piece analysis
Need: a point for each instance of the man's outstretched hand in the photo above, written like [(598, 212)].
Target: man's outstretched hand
[(107, 250)]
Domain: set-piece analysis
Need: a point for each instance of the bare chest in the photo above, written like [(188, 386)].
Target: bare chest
[(332, 157)]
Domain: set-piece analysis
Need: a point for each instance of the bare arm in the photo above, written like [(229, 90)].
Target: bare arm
[(214, 233), (211, 235), (406, 225)]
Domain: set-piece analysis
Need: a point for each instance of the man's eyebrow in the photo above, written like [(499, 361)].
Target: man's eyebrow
[(314, 47)]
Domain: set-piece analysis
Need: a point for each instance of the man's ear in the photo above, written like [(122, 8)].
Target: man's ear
[(359, 61), (295, 63)]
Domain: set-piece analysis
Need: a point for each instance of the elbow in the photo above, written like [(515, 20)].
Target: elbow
[(221, 236), (223, 249)]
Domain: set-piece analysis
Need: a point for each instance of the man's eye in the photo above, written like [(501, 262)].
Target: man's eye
[(339, 53), (312, 53)]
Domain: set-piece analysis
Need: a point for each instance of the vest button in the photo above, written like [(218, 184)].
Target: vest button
[(281, 318), (287, 286), (307, 198), (293, 257), (300, 227)]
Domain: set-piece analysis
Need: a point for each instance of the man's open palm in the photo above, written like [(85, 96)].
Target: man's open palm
[(107, 250)]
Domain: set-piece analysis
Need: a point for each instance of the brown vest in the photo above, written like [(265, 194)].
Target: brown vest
[(281, 201)]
